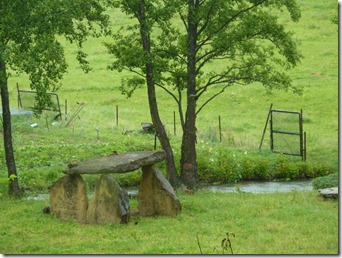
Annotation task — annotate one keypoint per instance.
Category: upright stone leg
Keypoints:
(110, 203)
(156, 196)
(68, 198)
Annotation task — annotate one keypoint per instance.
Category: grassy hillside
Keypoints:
(243, 110)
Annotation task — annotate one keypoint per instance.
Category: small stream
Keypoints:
(263, 187)
(245, 187)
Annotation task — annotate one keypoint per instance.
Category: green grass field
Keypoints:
(279, 223)
(292, 223)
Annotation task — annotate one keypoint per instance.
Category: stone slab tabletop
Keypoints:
(115, 163)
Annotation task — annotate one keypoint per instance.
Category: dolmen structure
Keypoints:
(110, 203)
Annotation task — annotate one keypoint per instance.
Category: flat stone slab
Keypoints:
(116, 163)
(329, 192)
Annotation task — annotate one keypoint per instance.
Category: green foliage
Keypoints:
(248, 45)
(178, 49)
(30, 38)
(4, 184)
(129, 179)
(225, 165)
(40, 166)
(331, 180)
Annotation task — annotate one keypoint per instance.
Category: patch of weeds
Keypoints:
(4, 184)
(226, 244)
(326, 181)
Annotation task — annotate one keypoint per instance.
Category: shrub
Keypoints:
(326, 181)
(318, 170)
(219, 164)
(128, 179)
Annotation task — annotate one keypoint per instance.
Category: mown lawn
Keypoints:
(278, 223)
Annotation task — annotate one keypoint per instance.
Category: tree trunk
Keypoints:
(160, 130)
(189, 166)
(14, 189)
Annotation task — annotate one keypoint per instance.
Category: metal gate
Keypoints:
(27, 100)
(286, 132)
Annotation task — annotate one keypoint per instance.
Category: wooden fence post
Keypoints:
(220, 131)
(117, 115)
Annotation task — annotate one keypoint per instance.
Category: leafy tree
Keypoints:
(242, 39)
(30, 33)
(142, 57)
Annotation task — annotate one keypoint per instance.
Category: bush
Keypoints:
(326, 181)
(128, 179)
(219, 164)
(318, 170)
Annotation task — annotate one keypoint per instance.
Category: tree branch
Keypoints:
(216, 79)
(171, 53)
(206, 21)
(211, 98)
(184, 21)
(204, 41)
(168, 91)
(229, 82)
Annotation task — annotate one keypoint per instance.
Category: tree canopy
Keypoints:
(201, 47)
(243, 39)
(30, 34)
(31, 31)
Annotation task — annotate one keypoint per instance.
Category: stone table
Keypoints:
(110, 204)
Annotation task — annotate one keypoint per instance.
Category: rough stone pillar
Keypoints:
(156, 195)
(68, 198)
(110, 203)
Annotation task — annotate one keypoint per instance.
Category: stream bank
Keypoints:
(244, 187)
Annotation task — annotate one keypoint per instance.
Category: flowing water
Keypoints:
(246, 187)
(263, 187)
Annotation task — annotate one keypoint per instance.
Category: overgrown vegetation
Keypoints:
(40, 166)
(326, 181)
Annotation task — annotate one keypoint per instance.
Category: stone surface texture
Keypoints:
(68, 198)
(329, 192)
(156, 196)
(116, 163)
(110, 203)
